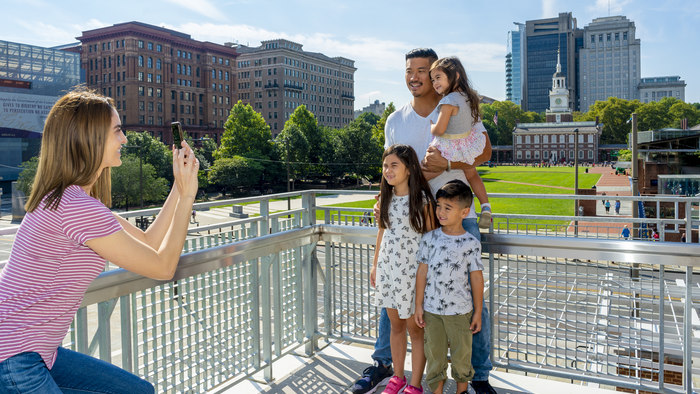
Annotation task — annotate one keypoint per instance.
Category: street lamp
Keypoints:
(286, 159)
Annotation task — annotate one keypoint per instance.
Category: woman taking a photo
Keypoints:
(64, 240)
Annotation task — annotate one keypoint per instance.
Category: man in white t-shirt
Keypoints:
(410, 125)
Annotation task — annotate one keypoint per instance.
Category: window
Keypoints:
(140, 76)
(527, 139)
(519, 154)
(159, 48)
(617, 36)
(608, 37)
(141, 106)
(600, 38)
(140, 61)
(141, 90)
(592, 38)
(580, 154)
(150, 46)
(149, 77)
(140, 44)
(150, 62)
(624, 36)
(571, 154)
(590, 154)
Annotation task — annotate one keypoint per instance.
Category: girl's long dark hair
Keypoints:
(459, 82)
(418, 191)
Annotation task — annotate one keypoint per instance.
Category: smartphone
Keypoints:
(178, 134)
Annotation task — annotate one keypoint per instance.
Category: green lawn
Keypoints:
(537, 181)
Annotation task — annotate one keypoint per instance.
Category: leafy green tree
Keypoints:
(509, 114)
(378, 129)
(151, 151)
(206, 149)
(308, 126)
(680, 110)
(230, 173)
(245, 134)
(293, 149)
(653, 116)
(25, 180)
(356, 146)
(126, 184)
(614, 114)
(624, 155)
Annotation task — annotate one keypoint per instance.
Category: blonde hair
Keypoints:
(72, 147)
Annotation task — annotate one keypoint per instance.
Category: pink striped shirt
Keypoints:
(48, 272)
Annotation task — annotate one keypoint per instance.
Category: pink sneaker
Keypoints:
(396, 385)
(413, 390)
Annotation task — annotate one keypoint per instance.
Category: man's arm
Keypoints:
(434, 162)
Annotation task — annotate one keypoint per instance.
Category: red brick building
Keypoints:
(157, 76)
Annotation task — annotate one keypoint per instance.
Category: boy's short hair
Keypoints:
(456, 190)
(428, 53)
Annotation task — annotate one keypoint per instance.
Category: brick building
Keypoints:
(278, 76)
(158, 76)
(554, 142)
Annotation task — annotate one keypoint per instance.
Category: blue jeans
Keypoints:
(481, 342)
(72, 372)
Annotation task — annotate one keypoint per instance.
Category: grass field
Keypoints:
(523, 180)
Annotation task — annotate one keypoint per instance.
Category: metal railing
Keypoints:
(587, 310)
(616, 313)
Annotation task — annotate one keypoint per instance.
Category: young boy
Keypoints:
(445, 302)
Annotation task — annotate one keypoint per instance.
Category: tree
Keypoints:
(229, 173)
(680, 111)
(25, 180)
(151, 151)
(293, 149)
(245, 134)
(509, 114)
(378, 129)
(653, 116)
(308, 126)
(356, 146)
(126, 183)
(614, 114)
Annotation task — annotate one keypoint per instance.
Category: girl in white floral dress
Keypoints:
(406, 213)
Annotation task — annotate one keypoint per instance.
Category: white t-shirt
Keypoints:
(405, 126)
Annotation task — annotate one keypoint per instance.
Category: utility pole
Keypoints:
(635, 175)
(289, 189)
(576, 180)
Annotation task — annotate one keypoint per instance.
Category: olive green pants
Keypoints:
(441, 332)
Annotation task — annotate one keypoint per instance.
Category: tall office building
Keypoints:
(158, 76)
(278, 76)
(543, 38)
(32, 78)
(514, 64)
(656, 88)
(609, 61)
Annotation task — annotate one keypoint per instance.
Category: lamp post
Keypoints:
(576, 179)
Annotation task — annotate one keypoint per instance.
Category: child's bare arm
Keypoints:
(373, 271)
(446, 111)
(420, 293)
(477, 279)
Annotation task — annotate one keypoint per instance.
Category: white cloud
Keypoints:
(203, 7)
(608, 7)
(373, 53)
(549, 9)
(478, 56)
(368, 97)
(50, 35)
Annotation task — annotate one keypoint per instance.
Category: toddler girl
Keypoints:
(457, 131)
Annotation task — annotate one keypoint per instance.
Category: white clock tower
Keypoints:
(559, 97)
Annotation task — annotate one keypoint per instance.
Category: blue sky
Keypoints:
(375, 34)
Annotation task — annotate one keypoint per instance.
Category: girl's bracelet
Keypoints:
(449, 165)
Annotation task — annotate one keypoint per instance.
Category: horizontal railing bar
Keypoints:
(657, 253)
(119, 282)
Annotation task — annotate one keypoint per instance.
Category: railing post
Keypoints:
(104, 331)
(265, 215)
(266, 308)
(687, 331)
(81, 331)
(125, 312)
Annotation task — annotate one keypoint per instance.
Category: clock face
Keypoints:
(558, 101)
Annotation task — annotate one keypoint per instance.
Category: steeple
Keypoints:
(558, 96)
(558, 62)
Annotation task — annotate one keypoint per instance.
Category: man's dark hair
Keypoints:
(423, 53)
(456, 190)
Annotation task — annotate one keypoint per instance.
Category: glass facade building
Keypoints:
(31, 80)
(542, 39)
(514, 65)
